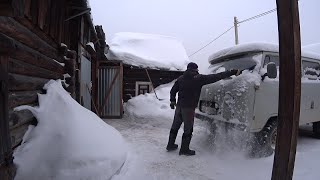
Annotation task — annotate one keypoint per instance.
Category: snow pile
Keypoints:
(148, 106)
(149, 51)
(69, 142)
(91, 45)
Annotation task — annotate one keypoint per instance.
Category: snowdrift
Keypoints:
(69, 142)
(148, 106)
(148, 51)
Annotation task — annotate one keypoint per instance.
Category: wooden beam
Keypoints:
(15, 30)
(36, 30)
(18, 8)
(5, 150)
(18, 67)
(6, 9)
(28, 55)
(18, 118)
(17, 134)
(27, 9)
(53, 19)
(22, 98)
(12, 8)
(43, 11)
(25, 83)
(289, 89)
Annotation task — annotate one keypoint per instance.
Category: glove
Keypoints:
(236, 72)
(172, 104)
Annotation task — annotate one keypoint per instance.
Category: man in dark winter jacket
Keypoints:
(188, 87)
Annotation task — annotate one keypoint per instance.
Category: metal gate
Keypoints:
(85, 82)
(110, 91)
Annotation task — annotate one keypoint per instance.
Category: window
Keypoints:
(239, 62)
(310, 70)
(271, 58)
(143, 87)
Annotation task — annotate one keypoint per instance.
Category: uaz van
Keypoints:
(250, 101)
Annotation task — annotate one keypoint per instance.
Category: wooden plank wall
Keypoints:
(134, 74)
(33, 41)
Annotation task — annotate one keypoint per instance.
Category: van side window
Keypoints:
(310, 70)
(271, 58)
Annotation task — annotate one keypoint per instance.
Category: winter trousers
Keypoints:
(186, 116)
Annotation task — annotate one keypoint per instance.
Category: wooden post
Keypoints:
(236, 35)
(289, 89)
(6, 168)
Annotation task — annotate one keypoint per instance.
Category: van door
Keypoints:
(266, 96)
(310, 88)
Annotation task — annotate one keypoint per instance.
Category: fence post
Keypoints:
(289, 89)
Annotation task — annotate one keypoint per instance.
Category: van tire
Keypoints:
(316, 129)
(264, 141)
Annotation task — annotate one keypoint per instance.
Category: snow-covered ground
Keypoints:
(146, 127)
(72, 143)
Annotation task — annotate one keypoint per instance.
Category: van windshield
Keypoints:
(240, 62)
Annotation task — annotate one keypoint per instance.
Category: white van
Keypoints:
(250, 101)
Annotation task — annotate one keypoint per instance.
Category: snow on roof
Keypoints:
(315, 48)
(254, 47)
(148, 51)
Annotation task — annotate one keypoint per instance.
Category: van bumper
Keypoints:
(212, 119)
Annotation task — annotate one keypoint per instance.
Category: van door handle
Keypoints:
(312, 105)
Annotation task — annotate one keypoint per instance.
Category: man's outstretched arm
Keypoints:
(212, 78)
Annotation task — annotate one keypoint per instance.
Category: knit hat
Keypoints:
(192, 66)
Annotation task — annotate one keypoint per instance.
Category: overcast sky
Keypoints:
(197, 22)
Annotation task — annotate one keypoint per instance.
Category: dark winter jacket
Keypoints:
(188, 86)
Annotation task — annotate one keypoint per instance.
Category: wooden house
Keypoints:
(41, 40)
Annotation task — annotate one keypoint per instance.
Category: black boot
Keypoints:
(172, 138)
(184, 150)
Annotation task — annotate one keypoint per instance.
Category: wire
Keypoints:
(258, 16)
(211, 41)
(249, 19)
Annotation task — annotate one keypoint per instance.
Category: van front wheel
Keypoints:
(316, 128)
(265, 141)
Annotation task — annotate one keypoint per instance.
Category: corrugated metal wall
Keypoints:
(85, 83)
(113, 105)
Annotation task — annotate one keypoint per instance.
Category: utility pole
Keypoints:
(236, 30)
(289, 89)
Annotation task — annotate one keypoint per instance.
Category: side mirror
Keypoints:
(272, 71)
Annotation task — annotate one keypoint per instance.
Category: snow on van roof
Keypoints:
(148, 51)
(254, 47)
(315, 48)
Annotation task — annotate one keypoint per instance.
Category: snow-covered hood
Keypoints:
(230, 100)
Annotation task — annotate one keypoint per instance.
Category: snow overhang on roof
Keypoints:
(148, 51)
(315, 48)
(251, 48)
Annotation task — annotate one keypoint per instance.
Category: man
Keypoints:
(188, 87)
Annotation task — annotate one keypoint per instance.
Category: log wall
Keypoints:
(31, 33)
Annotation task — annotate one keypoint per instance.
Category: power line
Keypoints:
(258, 16)
(211, 41)
(246, 20)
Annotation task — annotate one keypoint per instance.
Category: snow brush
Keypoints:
(154, 90)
